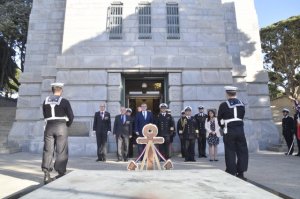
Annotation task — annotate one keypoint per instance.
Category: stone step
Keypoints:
(6, 123)
(9, 150)
(281, 148)
(4, 129)
(7, 113)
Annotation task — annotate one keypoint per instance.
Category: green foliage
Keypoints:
(14, 19)
(281, 49)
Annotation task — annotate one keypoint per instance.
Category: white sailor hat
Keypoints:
(182, 112)
(129, 110)
(188, 108)
(57, 84)
(163, 105)
(285, 110)
(200, 107)
(231, 88)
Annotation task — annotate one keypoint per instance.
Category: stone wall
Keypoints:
(68, 41)
(43, 46)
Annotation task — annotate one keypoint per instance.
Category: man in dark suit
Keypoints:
(166, 127)
(102, 126)
(132, 139)
(141, 119)
(122, 131)
(200, 118)
(288, 130)
(180, 125)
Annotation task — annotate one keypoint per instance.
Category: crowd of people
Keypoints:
(205, 128)
(290, 130)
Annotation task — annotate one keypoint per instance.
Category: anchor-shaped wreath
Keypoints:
(150, 152)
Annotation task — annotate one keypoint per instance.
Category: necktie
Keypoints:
(102, 115)
(144, 113)
(123, 119)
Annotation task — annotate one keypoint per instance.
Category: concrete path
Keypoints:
(269, 169)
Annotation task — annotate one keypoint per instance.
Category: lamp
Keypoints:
(144, 85)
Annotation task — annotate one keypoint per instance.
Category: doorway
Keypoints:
(145, 88)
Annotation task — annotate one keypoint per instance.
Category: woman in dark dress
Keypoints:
(212, 134)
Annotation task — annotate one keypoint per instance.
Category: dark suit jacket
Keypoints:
(121, 128)
(102, 126)
(140, 121)
(164, 125)
(190, 128)
(288, 125)
(201, 122)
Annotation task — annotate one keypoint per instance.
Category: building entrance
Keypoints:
(145, 88)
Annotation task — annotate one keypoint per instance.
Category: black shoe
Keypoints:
(98, 160)
(193, 160)
(211, 160)
(204, 156)
(216, 160)
(298, 154)
(60, 174)
(104, 160)
(241, 176)
(47, 177)
(125, 160)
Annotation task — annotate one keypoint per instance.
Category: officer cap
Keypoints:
(57, 84)
(129, 110)
(200, 107)
(285, 110)
(163, 105)
(230, 88)
(187, 108)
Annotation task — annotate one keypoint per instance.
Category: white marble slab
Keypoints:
(173, 184)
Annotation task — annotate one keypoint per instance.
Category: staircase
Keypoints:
(282, 147)
(7, 117)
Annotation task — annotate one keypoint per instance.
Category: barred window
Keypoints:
(173, 31)
(115, 21)
(144, 15)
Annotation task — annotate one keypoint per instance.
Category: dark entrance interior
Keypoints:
(145, 88)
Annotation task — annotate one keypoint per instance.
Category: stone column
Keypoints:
(113, 105)
(176, 105)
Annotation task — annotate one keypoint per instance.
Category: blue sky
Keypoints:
(271, 11)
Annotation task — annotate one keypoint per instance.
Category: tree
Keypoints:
(14, 19)
(281, 49)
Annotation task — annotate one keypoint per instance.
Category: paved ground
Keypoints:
(269, 169)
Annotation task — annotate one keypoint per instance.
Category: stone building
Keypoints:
(182, 52)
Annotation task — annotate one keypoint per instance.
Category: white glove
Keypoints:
(108, 132)
(137, 133)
